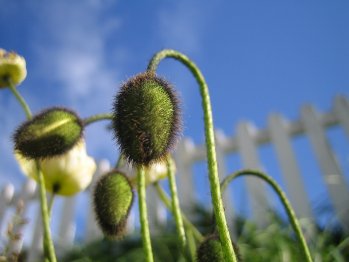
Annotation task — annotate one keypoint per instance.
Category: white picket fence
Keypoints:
(279, 133)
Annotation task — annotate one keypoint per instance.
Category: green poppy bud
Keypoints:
(210, 250)
(50, 133)
(113, 198)
(146, 118)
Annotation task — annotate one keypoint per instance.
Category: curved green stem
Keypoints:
(48, 244)
(287, 205)
(98, 117)
(166, 200)
(175, 204)
(20, 100)
(210, 146)
(143, 215)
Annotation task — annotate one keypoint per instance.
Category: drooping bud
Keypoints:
(66, 174)
(210, 250)
(113, 198)
(12, 68)
(50, 133)
(146, 118)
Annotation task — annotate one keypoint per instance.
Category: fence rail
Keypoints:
(279, 133)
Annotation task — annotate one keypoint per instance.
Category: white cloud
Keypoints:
(76, 54)
(69, 39)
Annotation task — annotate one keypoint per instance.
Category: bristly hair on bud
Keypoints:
(146, 118)
(113, 199)
(210, 250)
(50, 133)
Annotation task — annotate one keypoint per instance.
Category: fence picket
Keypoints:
(35, 249)
(290, 171)
(222, 171)
(246, 134)
(341, 108)
(67, 227)
(157, 213)
(92, 230)
(183, 161)
(21, 202)
(246, 143)
(332, 173)
(6, 196)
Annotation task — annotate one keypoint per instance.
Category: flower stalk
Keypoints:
(176, 211)
(48, 243)
(282, 196)
(144, 215)
(95, 118)
(20, 99)
(210, 145)
(189, 226)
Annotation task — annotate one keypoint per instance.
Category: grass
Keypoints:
(276, 242)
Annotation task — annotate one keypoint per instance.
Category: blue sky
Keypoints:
(257, 56)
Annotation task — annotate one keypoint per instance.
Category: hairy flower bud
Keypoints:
(113, 198)
(146, 118)
(210, 250)
(50, 133)
(12, 68)
(65, 174)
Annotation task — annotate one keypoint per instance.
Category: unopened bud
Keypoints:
(113, 198)
(50, 133)
(146, 118)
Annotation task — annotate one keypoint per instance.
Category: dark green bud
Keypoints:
(113, 198)
(210, 250)
(146, 118)
(50, 133)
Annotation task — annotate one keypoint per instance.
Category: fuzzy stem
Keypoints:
(165, 199)
(143, 215)
(20, 100)
(175, 204)
(48, 244)
(210, 146)
(287, 205)
(98, 117)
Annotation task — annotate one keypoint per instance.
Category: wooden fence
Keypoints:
(279, 133)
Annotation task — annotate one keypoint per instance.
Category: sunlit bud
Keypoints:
(12, 68)
(50, 133)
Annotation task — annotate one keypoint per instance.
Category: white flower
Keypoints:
(12, 67)
(66, 174)
(154, 173)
